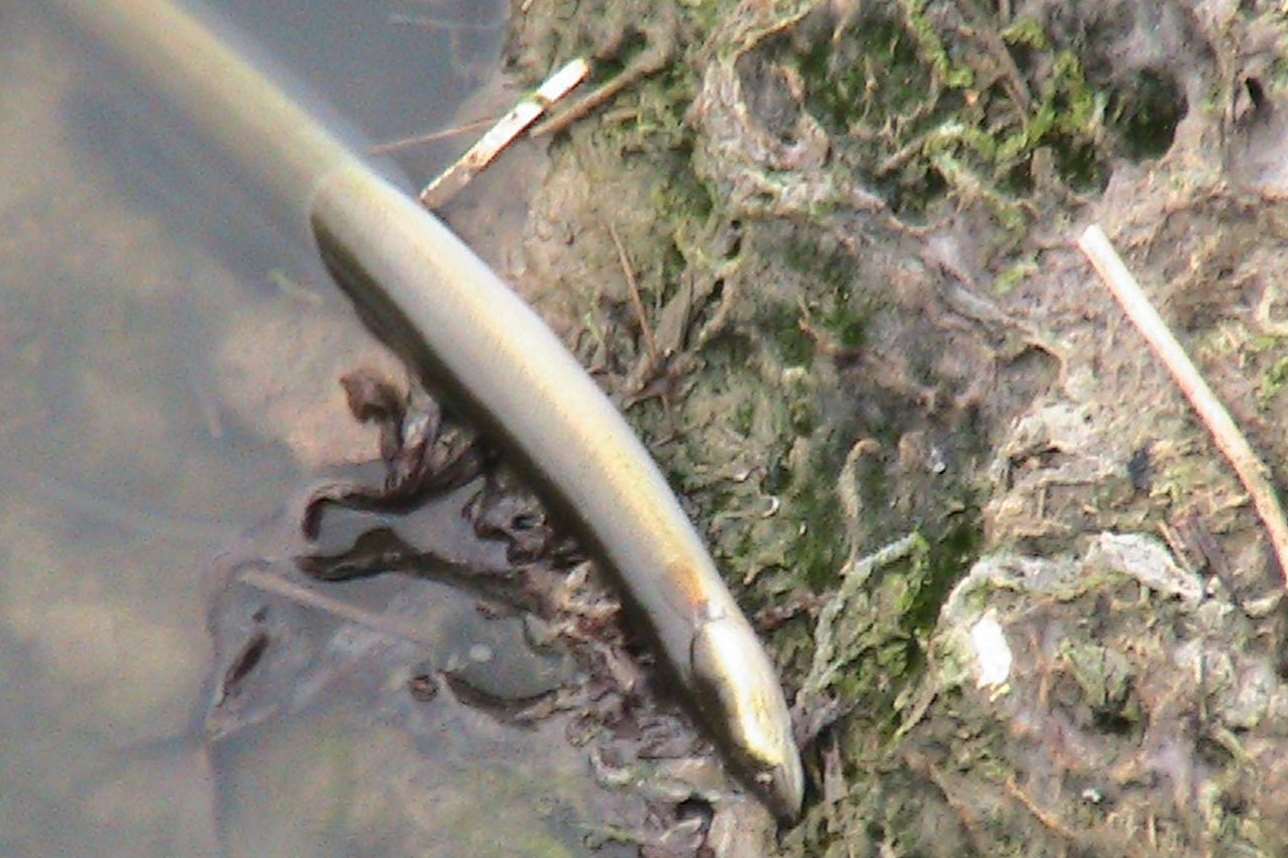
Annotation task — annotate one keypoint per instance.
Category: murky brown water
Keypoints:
(168, 353)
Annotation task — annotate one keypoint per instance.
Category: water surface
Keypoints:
(168, 353)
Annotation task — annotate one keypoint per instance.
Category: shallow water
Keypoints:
(168, 353)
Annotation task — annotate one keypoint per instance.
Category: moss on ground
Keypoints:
(848, 223)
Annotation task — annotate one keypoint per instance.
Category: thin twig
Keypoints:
(430, 137)
(968, 816)
(1010, 71)
(1051, 821)
(1254, 473)
(428, 22)
(653, 60)
(645, 330)
(301, 595)
(602, 95)
(450, 182)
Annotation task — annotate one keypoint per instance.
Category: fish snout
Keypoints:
(740, 695)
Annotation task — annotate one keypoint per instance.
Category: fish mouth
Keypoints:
(782, 788)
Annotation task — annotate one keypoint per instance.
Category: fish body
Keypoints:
(446, 313)
(425, 293)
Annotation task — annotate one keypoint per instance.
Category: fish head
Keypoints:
(738, 692)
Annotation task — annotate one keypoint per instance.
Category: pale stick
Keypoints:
(450, 182)
(1254, 473)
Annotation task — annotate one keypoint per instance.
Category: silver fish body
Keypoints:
(431, 298)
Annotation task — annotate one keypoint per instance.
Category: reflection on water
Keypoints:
(168, 353)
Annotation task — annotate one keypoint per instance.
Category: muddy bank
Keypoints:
(850, 227)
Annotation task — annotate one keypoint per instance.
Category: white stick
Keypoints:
(502, 134)
(1254, 473)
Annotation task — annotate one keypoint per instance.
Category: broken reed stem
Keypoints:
(1252, 472)
(450, 182)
